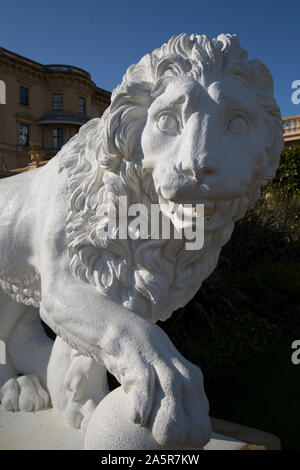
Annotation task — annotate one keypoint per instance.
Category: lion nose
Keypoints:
(197, 155)
(197, 169)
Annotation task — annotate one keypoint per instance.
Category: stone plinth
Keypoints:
(45, 430)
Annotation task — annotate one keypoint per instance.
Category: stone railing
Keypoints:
(59, 68)
(291, 128)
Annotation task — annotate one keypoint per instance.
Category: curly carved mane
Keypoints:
(104, 161)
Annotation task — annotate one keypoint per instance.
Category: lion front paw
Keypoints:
(169, 398)
(165, 391)
(180, 407)
(24, 393)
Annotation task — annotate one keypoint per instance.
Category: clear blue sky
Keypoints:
(105, 37)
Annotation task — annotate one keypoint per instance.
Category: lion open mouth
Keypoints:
(214, 215)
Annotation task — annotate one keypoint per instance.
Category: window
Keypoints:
(57, 102)
(2, 92)
(23, 134)
(81, 105)
(57, 138)
(23, 95)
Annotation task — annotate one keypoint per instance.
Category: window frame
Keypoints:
(80, 104)
(59, 138)
(54, 103)
(24, 124)
(22, 95)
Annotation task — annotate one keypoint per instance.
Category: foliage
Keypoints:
(218, 330)
(286, 183)
(34, 146)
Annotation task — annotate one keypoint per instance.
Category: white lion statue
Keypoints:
(193, 122)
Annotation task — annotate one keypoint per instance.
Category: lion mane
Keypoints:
(104, 162)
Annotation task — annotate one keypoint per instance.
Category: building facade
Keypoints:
(45, 106)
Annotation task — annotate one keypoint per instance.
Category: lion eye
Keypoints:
(238, 125)
(167, 123)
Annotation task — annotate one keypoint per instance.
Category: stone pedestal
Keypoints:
(46, 430)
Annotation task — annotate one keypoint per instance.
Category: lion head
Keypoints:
(193, 122)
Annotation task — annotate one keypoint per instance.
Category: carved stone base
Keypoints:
(45, 430)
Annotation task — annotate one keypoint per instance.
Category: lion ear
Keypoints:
(262, 78)
(263, 84)
(269, 132)
(274, 145)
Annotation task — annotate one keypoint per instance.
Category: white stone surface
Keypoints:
(193, 122)
(38, 430)
(46, 430)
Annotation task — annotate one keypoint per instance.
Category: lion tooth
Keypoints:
(179, 211)
(172, 206)
(177, 221)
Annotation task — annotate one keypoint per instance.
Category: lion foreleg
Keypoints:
(163, 389)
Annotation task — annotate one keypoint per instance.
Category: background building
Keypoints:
(291, 130)
(45, 105)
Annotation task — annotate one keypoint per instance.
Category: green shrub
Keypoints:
(286, 183)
